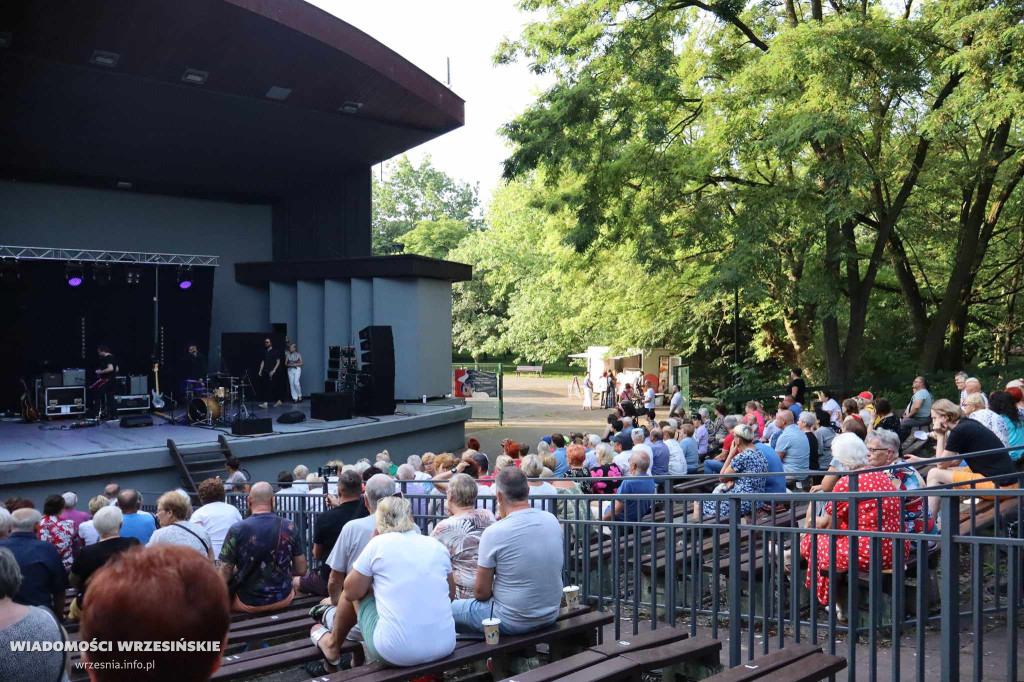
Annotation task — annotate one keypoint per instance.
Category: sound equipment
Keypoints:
(291, 418)
(375, 385)
(204, 409)
(73, 377)
(124, 404)
(65, 400)
(55, 379)
(138, 384)
(252, 427)
(134, 421)
(158, 398)
(331, 406)
(29, 413)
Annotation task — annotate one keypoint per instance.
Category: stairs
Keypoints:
(194, 467)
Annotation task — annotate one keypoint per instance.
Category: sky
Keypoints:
(467, 32)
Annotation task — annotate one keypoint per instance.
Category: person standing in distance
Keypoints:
(269, 366)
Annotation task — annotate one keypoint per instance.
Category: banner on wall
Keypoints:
(470, 382)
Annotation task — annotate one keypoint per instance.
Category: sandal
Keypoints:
(318, 612)
(315, 634)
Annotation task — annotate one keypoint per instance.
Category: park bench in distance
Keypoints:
(530, 369)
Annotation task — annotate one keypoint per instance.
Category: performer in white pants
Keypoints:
(293, 361)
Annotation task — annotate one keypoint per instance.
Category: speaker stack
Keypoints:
(375, 384)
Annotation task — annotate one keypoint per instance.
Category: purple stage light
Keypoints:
(185, 284)
(74, 281)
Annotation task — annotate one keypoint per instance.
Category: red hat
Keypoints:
(1015, 393)
(866, 395)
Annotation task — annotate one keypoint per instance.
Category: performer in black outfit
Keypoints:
(192, 366)
(270, 373)
(103, 387)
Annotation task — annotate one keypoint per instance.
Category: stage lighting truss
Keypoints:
(80, 256)
(101, 273)
(9, 271)
(185, 278)
(74, 274)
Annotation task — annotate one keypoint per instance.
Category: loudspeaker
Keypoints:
(291, 418)
(138, 384)
(375, 396)
(56, 380)
(331, 406)
(378, 351)
(252, 427)
(134, 421)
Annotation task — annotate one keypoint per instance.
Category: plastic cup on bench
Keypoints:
(492, 626)
(572, 596)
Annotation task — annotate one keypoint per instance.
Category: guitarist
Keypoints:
(104, 383)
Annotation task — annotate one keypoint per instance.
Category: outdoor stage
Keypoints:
(37, 459)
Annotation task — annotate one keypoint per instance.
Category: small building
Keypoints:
(654, 363)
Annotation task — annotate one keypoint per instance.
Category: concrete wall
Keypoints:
(58, 216)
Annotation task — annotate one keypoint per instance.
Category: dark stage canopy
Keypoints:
(102, 91)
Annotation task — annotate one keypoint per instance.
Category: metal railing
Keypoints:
(679, 567)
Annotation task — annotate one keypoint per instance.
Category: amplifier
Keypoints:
(139, 384)
(53, 380)
(65, 400)
(126, 404)
(74, 377)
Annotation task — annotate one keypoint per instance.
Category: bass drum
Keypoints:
(203, 409)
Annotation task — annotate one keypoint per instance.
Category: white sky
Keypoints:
(467, 31)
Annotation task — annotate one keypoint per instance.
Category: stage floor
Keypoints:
(51, 439)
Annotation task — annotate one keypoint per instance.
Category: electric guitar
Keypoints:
(157, 399)
(29, 413)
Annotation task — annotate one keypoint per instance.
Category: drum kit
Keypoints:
(217, 399)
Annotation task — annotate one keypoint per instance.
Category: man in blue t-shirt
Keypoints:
(638, 483)
(135, 524)
(919, 411)
(792, 446)
(772, 484)
(659, 463)
(558, 441)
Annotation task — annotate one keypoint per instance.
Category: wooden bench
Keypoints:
(584, 627)
(530, 369)
(795, 663)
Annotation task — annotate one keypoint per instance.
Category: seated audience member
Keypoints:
(1005, 405)
(690, 449)
(519, 565)
(260, 555)
(43, 577)
(237, 482)
(60, 534)
(533, 468)
(856, 426)
(975, 408)
(676, 455)
(590, 459)
(406, 618)
(136, 524)
(558, 450)
(807, 423)
(751, 409)
(5, 523)
(659, 460)
(883, 450)
(714, 465)
(19, 623)
(605, 468)
(347, 507)
(482, 465)
(354, 537)
(215, 516)
(163, 593)
(172, 511)
(93, 557)
(299, 474)
(824, 433)
(502, 462)
(955, 435)
(638, 482)
(743, 458)
(388, 467)
(460, 532)
(111, 491)
(884, 416)
(772, 431)
(87, 531)
(413, 489)
(852, 454)
(76, 516)
(792, 446)
(576, 456)
(790, 403)
(773, 483)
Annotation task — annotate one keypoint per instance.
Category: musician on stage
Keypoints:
(104, 384)
(269, 374)
(192, 367)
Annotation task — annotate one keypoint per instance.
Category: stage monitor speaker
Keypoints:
(56, 380)
(378, 351)
(134, 421)
(331, 406)
(291, 418)
(73, 377)
(375, 396)
(252, 427)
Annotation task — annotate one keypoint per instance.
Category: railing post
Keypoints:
(949, 592)
(734, 583)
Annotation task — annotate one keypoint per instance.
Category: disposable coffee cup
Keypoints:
(572, 596)
(491, 630)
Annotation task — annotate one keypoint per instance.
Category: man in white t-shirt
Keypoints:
(649, 400)
(519, 565)
(354, 537)
(215, 516)
(675, 405)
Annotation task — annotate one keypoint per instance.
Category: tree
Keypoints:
(410, 194)
(435, 238)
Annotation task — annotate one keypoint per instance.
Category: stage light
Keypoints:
(9, 271)
(195, 76)
(184, 278)
(101, 273)
(74, 275)
(133, 275)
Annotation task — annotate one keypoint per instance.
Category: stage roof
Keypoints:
(105, 91)
(401, 265)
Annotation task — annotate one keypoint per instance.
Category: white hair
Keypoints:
(5, 522)
(638, 435)
(605, 454)
(640, 460)
(25, 520)
(107, 521)
(415, 461)
(729, 421)
(463, 490)
(808, 419)
(361, 466)
(594, 440)
(300, 472)
(532, 466)
(1015, 383)
(70, 500)
(394, 515)
(543, 447)
(377, 488)
(850, 451)
(406, 472)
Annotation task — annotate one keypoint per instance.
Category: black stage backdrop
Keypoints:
(50, 325)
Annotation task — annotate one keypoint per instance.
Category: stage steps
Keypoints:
(197, 466)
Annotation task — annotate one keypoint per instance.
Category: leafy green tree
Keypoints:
(435, 238)
(410, 194)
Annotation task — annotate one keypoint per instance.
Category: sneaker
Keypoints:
(263, 405)
(278, 404)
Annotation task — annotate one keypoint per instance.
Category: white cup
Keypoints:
(492, 626)
(572, 596)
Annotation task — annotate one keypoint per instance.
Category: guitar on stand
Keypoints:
(29, 413)
(157, 399)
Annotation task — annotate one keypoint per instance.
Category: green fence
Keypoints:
(481, 386)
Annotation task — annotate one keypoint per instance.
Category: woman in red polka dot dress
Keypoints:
(850, 452)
